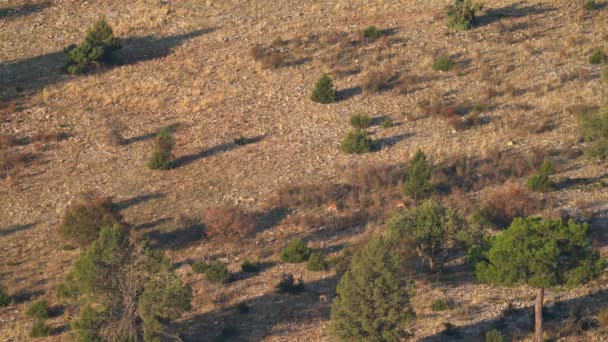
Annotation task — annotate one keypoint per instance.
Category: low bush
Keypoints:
(83, 219)
(5, 299)
(541, 181)
(443, 63)
(251, 266)
(97, 48)
(377, 80)
(357, 142)
(598, 56)
(288, 284)
(316, 262)
(296, 251)
(371, 32)
(590, 5)
(503, 204)
(324, 91)
(162, 157)
(39, 310)
(440, 304)
(229, 224)
(360, 121)
(199, 267)
(40, 329)
(217, 272)
(273, 61)
(461, 14)
(494, 336)
(594, 124)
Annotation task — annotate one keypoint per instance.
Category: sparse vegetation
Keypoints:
(371, 32)
(590, 5)
(97, 48)
(358, 142)
(440, 304)
(5, 299)
(324, 91)
(503, 204)
(296, 251)
(494, 336)
(598, 56)
(376, 81)
(357, 297)
(461, 14)
(199, 267)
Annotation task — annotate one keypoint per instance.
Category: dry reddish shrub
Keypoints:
(377, 80)
(258, 52)
(310, 196)
(503, 204)
(229, 224)
(273, 61)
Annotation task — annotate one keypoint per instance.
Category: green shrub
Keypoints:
(5, 299)
(594, 124)
(432, 228)
(461, 14)
(371, 32)
(357, 141)
(541, 180)
(324, 91)
(417, 178)
(251, 266)
(84, 219)
(605, 74)
(371, 304)
(443, 63)
(590, 5)
(217, 272)
(598, 56)
(440, 304)
(494, 336)
(360, 121)
(316, 262)
(97, 48)
(157, 295)
(199, 267)
(288, 284)
(388, 123)
(39, 309)
(40, 329)
(162, 158)
(297, 251)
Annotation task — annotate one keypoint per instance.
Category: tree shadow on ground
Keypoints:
(267, 314)
(270, 218)
(515, 10)
(178, 238)
(345, 94)
(25, 77)
(520, 321)
(17, 228)
(23, 10)
(575, 182)
(392, 140)
(221, 148)
(147, 136)
(133, 201)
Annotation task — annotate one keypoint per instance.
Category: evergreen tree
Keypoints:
(372, 302)
(433, 229)
(162, 157)
(417, 180)
(541, 254)
(324, 91)
(126, 292)
(98, 46)
(541, 181)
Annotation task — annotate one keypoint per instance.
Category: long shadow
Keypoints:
(573, 182)
(345, 94)
(515, 10)
(266, 312)
(514, 320)
(25, 77)
(270, 218)
(178, 238)
(221, 148)
(17, 228)
(137, 200)
(23, 10)
(147, 136)
(390, 141)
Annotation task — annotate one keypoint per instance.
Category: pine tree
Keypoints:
(417, 180)
(541, 254)
(324, 91)
(541, 181)
(98, 46)
(372, 302)
(162, 157)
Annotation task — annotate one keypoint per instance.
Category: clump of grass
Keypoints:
(387, 123)
(598, 56)
(541, 181)
(39, 310)
(443, 63)
(371, 32)
(217, 272)
(440, 304)
(5, 299)
(40, 329)
(360, 121)
(358, 142)
(199, 267)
